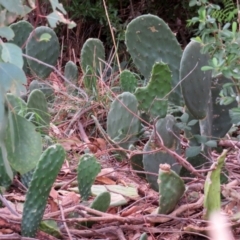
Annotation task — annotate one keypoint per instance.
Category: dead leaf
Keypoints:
(130, 211)
(53, 194)
(101, 143)
(70, 199)
(105, 180)
(72, 143)
(55, 129)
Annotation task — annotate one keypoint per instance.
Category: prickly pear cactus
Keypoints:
(27, 178)
(196, 85)
(92, 57)
(170, 135)
(88, 169)
(5, 180)
(128, 81)
(71, 73)
(22, 30)
(171, 189)
(122, 124)
(144, 236)
(212, 186)
(101, 202)
(37, 103)
(45, 88)
(153, 98)
(44, 49)
(150, 40)
(16, 104)
(43, 178)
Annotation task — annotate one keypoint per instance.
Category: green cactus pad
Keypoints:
(23, 144)
(37, 103)
(71, 72)
(44, 50)
(170, 135)
(150, 40)
(45, 88)
(171, 189)
(221, 122)
(212, 187)
(92, 55)
(153, 98)
(144, 236)
(88, 169)
(122, 125)
(196, 84)
(101, 202)
(22, 30)
(5, 180)
(16, 104)
(43, 178)
(27, 178)
(128, 81)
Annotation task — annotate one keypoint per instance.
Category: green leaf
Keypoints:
(184, 118)
(193, 151)
(206, 68)
(6, 32)
(192, 122)
(25, 146)
(235, 115)
(234, 27)
(11, 53)
(56, 5)
(211, 143)
(55, 17)
(201, 139)
(50, 227)
(15, 6)
(12, 78)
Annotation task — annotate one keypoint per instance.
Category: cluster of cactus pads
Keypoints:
(173, 76)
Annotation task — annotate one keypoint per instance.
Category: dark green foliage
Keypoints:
(227, 13)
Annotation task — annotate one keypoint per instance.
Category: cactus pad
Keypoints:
(22, 30)
(153, 98)
(45, 88)
(122, 124)
(46, 51)
(88, 169)
(43, 178)
(101, 202)
(71, 72)
(37, 103)
(170, 135)
(171, 189)
(150, 40)
(128, 81)
(196, 85)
